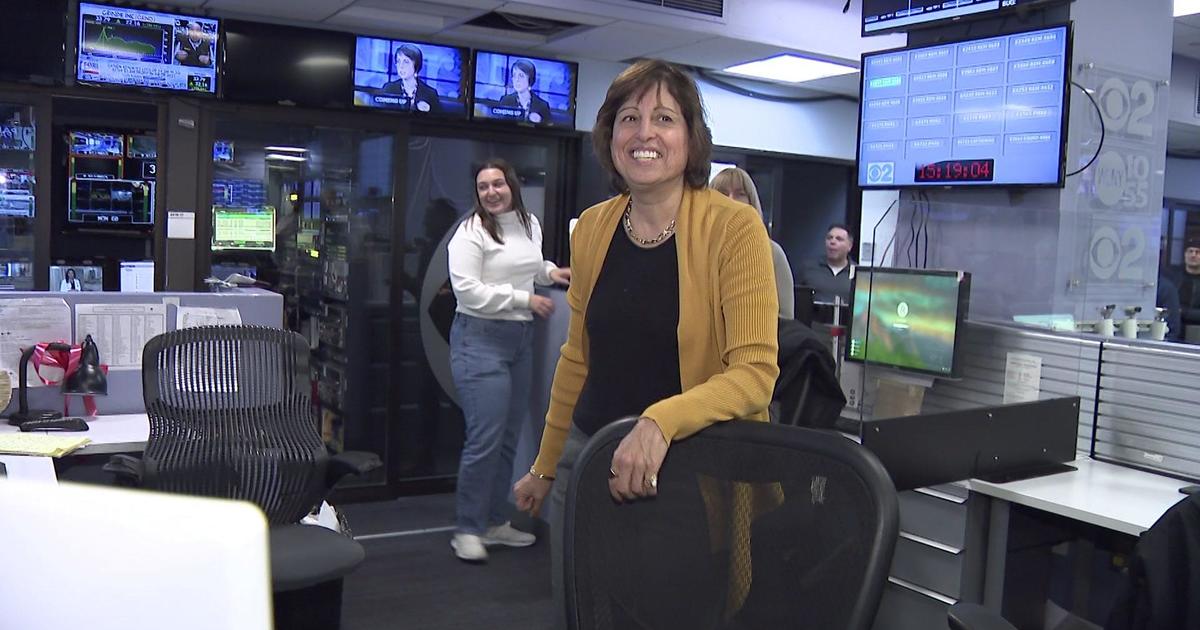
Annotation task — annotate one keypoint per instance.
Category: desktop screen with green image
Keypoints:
(244, 228)
(914, 318)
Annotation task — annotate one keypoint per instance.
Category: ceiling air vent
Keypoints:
(715, 8)
(522, 23)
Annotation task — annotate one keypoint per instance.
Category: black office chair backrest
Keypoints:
(231, 416)
(755, 526)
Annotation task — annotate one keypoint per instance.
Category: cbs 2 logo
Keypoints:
(1127, 109)
(881, 172)
(1121, 254)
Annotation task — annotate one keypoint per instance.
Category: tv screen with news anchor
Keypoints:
(410, 77)
(524, 89)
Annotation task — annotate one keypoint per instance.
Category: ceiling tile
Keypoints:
(562, 15)
(620, 41)
(387, 22)
(427, 7)
(506, 40)
(289, 10)
(718, 52)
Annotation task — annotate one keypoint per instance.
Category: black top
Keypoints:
(632, 323)
(537, 105)
(423, 93)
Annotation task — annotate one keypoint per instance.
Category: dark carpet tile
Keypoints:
(403, 514)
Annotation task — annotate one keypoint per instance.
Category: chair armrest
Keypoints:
(350, 463)
(964, 616)
(127, 468)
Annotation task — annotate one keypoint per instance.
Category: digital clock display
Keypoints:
(951, 171)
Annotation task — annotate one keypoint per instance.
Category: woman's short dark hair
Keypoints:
(413, 53)
(526, 67)
(514, 184)
(71, 272)
(635, 81)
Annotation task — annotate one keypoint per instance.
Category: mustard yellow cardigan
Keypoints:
(728, 309)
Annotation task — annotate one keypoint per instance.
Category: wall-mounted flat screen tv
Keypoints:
(410, 77)
(887, 16)
(287, 65)
(525, 89)
(147, 49)
(981, 112)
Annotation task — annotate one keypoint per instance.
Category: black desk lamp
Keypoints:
(87, 379)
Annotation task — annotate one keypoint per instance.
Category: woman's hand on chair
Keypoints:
(530, 492)
(635, 464)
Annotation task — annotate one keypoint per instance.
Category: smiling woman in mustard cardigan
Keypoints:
(673, 301)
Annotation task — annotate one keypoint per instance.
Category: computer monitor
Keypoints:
(137, 277)
(148, 49)
(76, 278)
(886, 16)
(908, 318)
(96, 557)
(16, 192)
(244, 228)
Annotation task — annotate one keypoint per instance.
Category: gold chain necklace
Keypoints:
(645, 242)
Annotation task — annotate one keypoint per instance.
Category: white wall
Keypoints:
(875, 206)
(824, 129)
(1182, 180)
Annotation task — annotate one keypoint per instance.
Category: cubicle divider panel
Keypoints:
(253, 307)
(1070, 364)
(1148, 401)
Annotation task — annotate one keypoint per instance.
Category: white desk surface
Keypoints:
(1111, 496)
(108, 434)
(25, 468)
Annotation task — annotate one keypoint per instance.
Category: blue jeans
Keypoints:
(492, 364)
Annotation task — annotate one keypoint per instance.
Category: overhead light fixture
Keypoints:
(1186, 7)
(790, 68)
(286, 149)
(286, 158)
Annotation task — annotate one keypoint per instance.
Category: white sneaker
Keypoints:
(508, 536)
(469, 547)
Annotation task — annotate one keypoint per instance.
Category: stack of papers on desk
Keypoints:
(38, 444)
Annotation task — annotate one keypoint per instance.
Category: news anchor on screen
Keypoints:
(193, 46)
(70, 282)
(534, 108)
(416, 94)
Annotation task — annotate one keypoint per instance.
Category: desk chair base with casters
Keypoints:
(755, 526)
(230, 416)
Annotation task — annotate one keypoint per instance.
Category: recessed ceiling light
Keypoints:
(286, 149)
(286, 158)
(1186, 7)
(790, 68)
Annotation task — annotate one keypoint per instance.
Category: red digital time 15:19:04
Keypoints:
(956, 171)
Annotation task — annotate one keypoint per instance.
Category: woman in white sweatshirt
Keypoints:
(495, 259)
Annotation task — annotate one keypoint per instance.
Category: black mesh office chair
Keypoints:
(231, 417)
(755, 526)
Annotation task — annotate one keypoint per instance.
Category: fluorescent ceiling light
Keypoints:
(286, 158)
(1186, 7)
(286, 149)
(791, 68)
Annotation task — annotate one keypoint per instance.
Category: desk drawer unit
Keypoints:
(930, 566)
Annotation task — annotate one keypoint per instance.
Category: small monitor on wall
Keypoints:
(981, 112)
(525, 89)
(410, 77)
(16, 193)
(76, 278)
(147, 49)
(908, 318)
(244, 228)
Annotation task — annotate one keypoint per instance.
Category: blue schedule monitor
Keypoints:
(147, 49)
(410, 77)
(525, 89)
(981, 112)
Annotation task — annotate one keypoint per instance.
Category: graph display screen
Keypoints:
(988, 111)
(111, 201)
(244, 228)
(139, 48)
(881, 16)
(914, 320)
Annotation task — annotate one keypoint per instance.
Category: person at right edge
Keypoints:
(673, 320)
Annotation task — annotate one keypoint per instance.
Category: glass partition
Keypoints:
(17, 196)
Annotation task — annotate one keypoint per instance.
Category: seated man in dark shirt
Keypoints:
(195, 49)
(829, 275)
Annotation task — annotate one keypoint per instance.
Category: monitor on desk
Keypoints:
(91, 555)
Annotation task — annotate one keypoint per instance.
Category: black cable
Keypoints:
(1100, 116)
(925, 228)
(910, 251)
(710, 79)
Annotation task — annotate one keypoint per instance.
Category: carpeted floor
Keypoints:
(414, 580)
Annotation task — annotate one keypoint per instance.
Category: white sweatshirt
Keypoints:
(495, 281)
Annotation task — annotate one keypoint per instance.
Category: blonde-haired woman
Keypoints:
(737, 185)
